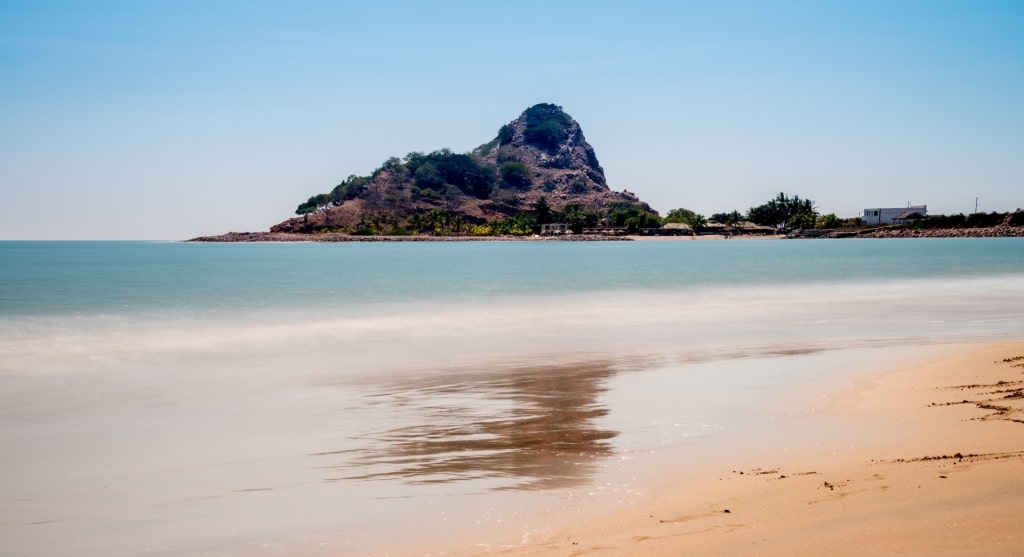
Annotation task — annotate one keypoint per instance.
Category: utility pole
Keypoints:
(976, 205)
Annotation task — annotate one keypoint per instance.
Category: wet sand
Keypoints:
(936, 467)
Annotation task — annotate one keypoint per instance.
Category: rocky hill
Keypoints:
(539, 163)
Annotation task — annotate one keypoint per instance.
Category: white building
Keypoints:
(553, 229)
(891, 215)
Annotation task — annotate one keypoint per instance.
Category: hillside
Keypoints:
(538, 166)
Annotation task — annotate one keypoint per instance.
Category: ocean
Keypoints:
(334, 399)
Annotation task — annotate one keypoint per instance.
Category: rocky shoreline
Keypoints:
(337, 237)
(1000, 231)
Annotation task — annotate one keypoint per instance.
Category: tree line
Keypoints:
(782, 211)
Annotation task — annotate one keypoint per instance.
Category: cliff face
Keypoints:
(542, 153)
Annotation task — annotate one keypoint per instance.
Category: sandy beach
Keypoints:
(701, 237)
(932, 464)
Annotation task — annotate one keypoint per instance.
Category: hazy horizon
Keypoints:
(171, 120)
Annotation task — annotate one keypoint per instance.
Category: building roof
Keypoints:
(907, 215)
(751, 227)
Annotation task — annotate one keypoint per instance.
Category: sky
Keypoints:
(167, 120)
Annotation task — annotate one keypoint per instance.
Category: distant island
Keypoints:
(538, 178)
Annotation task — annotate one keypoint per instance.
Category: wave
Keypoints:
(430, 333)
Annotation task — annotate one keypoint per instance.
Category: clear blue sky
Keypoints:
(171, 119)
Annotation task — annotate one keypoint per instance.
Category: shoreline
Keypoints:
(929, 460)
(242, 237)
(885, 233)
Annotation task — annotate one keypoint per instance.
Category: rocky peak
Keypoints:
(542, 154)
(545, 137)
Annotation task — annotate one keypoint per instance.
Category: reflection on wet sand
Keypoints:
(521, 428)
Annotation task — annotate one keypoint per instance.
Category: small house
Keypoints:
(881, 216)
(553, 229)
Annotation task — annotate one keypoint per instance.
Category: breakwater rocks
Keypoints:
(335, 237)
(1001, 231)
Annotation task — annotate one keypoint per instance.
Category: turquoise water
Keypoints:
(358, 399)
(61, 278)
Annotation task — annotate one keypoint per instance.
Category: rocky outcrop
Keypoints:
(541, 154)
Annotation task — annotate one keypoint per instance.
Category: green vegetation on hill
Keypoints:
(440, 168)
(546, 125)
(505, 135)
(348, 189)
(501, 187)
(431, 174)
(515, 174)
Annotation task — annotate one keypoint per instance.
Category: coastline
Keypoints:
(413, 399)
(937, 467)
(241, 237)
(881, 233)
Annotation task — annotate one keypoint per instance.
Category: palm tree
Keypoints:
(698, 222)
(543, 211)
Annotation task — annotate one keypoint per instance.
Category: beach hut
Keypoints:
(675, 229)
(908, 217)
(752, 229)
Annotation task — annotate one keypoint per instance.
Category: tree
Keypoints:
(543, 210)
(505, 135)
(416, 222)
(734, 217)
(684, 216)
(515, 174)
(699, 222)
(576, 217)
(429, 177)
(632, 217)
(546, 126)
(828, 221)
(468, 174)
(784, 211)
(520, 225)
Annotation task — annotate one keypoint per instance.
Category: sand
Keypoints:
(937, 468)
(703, 237)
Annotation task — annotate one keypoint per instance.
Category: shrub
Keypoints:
(462, 171)
(681, 215)
(546, 125)
(828, 221)
(429, 177)
(515, 175)
(505, 134)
